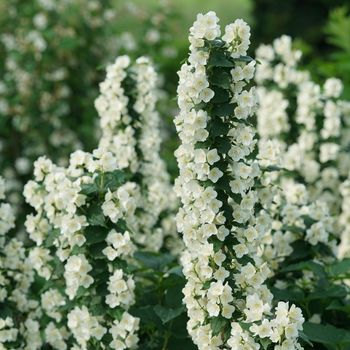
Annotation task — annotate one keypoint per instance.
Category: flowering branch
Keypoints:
(222, 218)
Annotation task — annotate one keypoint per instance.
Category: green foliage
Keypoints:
(159, 302)
(337, 28)
(335, 338)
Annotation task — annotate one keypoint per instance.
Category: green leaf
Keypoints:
(244, 59)
(202, 144)
(120, 264)
(224, 109)
(243, 121)
(310, 265)
(294, 229)
(97, 307)
(101, 277)
(98, 267)
(199, 106)
(245, 326)
(293, 293)
(220, 59)
(80, 292)
(218, 127)
(224, 184)
(217, 324)
(176, 270)
(326, 334)
(178, 328)
(338, 305)
(121, 225)
(96, 250)
(113, 180)
(77, 250)
(155, 261)
(265, 342)
(147, 315)
(244, 260)
(5, 311)
(68, 43)
(58, 265)
(304, 337)
(220, 77)
(95, 234)
(332, 291)
(339, 268)
(301, 249)
(167, 314)
(102, 290)
(220, 95)
(89, 189)
(174, 296)
(217, 243)
(272, 168)
(222, 144)
(95, 215)
(116, 313)
(51, 237)
(206, 284)
(217, 43)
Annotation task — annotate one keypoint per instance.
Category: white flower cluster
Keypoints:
(215, 186)
(313, 135)
(76, 274)
(56, 337)
(59, 205)
(119, 244)
(51, 300)
(84, 326)
(123, 332)
(130, 130)
(283, 72)
(7, 218)
(16, 279)
(121, 290)
(288, 226)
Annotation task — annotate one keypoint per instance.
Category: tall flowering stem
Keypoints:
(310, 123)
(222, 217)
(19, 316)
(130, 129)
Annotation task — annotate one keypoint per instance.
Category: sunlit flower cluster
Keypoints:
(20, 313)
(39, 53)
(221, 225)
(63, 211)
(291, 207)
(84, 326)
(309, 122)
(130, 130)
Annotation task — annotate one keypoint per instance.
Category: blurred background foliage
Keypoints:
(53, 54)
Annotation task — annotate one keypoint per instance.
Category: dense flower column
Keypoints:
(309, 121)
(221, 218)
(83, 248)
(130, 129)
(19, 315)
(297, 221)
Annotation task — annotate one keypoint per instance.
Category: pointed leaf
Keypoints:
(223, 109)
(167, 314)
(218, 127)
(220, 95)
(95, 234)
(220, 78)
(326, 334)
(219, 59)
(339, 268)
(217, 324)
